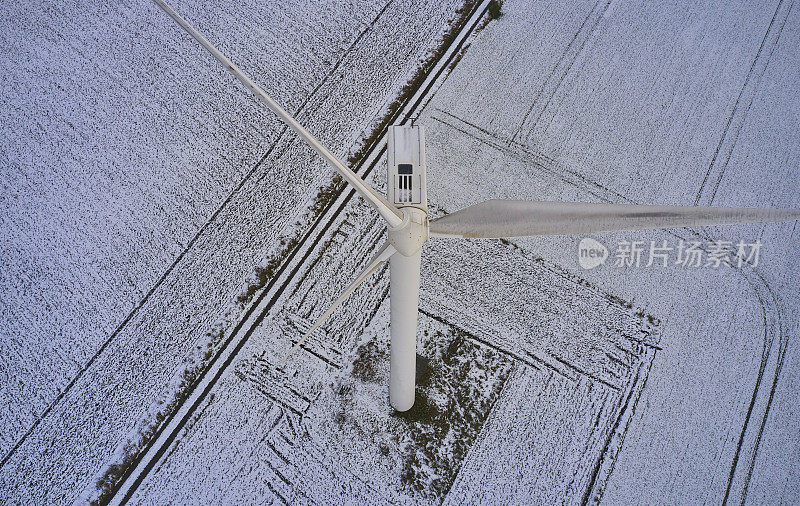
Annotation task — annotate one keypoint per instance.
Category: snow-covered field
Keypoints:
(654, 103)
(141, 186)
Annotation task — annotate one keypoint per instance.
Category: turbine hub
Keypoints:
(411, 234)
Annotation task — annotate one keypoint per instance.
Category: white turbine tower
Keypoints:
(406, 215)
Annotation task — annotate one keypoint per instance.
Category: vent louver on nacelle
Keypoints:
(405, 188)
(406, 166)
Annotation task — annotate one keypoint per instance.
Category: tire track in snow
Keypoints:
(738, 115)
(538, 160)
(748, 444)
(563, 66)
(594, 490)
(744, 458)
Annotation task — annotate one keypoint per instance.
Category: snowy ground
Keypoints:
(651, 103)
(141, 187)
(543, 382)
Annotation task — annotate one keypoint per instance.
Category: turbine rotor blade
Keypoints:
(386, 251)
(387, 211)
(516, 218)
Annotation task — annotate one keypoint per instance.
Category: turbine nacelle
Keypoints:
(407, 186)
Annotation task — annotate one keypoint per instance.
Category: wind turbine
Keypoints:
(406, 214)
